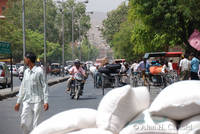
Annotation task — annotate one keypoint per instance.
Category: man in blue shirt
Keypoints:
(194, 67)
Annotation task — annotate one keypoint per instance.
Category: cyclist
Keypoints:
(74, 70)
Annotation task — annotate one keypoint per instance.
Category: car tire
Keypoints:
(9, 85)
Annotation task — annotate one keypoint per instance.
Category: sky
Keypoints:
(103, 5)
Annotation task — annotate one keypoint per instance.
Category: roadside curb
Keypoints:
(7, 93)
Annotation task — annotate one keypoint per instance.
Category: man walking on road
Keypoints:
(184, 68)
(33, 94)
(194, 67)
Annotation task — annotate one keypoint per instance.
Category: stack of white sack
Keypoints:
(91, 131)
(68, 121)
(115, 110)
(120, 105)
(181, 102)
(144, 123)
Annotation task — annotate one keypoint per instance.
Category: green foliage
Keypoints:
(11, 27)
(169, 22)
(111, 25)
(122, 45)
(88, 51)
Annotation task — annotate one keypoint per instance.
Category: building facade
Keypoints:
(2, 6)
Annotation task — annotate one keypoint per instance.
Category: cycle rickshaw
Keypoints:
(155, 77)
(109, 76)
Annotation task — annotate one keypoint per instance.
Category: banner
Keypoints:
(194, 40)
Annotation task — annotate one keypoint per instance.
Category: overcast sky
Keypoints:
(103, 5)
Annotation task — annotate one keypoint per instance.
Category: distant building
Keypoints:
(2, 6)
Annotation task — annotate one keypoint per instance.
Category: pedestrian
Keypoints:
(143, 67)
(194, 67)
(170, 65)
(184, 67)
(33, 93)
(134, 66)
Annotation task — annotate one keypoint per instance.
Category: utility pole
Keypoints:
(63, 48)
(45, 50)
(80, 46)
(72, 32)
(23, 27)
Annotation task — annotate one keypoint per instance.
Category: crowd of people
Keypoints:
(187, 68)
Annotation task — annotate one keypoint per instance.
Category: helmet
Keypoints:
(77, 62)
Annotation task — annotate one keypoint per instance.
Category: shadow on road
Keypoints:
(87, 98)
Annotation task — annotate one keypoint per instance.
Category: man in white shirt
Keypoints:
(184, 68)
(134, 66)
(33, 94)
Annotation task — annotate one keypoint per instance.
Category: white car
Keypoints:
(14, 70)
(5, 76)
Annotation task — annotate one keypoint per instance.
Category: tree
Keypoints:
(11, 27)
(111, 25)
(122, 45)
(168, 22)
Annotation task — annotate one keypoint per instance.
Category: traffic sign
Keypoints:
(5, 48)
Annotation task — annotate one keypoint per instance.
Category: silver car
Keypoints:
(5, 76)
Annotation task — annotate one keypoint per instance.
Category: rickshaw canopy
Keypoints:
(163, 54)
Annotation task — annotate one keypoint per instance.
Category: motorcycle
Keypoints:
(77, 86)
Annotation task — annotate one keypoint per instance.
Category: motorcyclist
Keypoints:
(74, 70)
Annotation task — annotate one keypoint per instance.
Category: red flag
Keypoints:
(194, 40)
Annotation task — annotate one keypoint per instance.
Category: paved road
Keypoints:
(17, 82)
(58, 101)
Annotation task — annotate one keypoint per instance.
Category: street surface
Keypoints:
(17, 82)
(58, 101)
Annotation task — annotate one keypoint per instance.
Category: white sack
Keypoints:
(144, 123)
(67, 121)
(178, 101)
(91, 131)
(120, 105)
(190, 126)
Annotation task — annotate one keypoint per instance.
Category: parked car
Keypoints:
(14, 69)
(5, 76)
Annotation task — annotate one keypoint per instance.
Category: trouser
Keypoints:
(69, 82)
(184, 75)
(194, 76)
(98, 78)
(30, 115)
